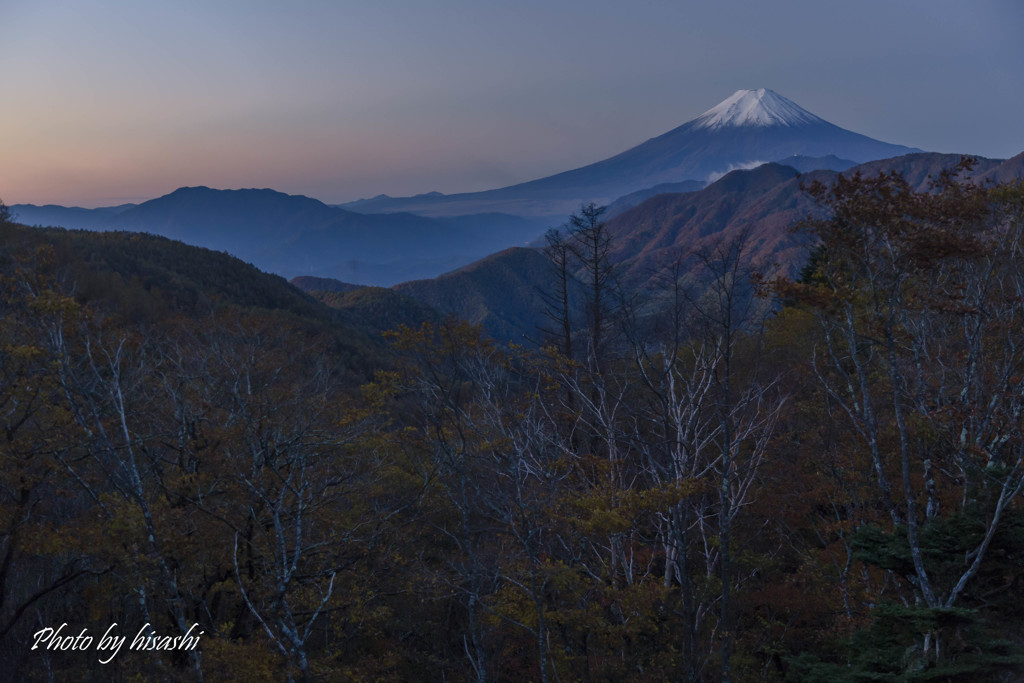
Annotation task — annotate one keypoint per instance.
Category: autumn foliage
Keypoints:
(720, 479)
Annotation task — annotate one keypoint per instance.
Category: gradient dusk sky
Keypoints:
(114, 101)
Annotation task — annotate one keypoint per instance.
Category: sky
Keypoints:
(113, 101)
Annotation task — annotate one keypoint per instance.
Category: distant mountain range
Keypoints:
(502, 292)
(294, 235)
(383, 241)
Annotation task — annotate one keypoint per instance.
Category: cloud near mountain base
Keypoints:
(743, 166)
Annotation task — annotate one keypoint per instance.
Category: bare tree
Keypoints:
(557, 301)
(923, 290)
(590, 242)
(711, 411)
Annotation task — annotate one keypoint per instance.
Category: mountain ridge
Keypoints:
(760, 204)
(389, 240)
(298, 235)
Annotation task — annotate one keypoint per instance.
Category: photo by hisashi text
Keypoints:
(110, 643)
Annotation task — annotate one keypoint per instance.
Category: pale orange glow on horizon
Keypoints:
(117, 101)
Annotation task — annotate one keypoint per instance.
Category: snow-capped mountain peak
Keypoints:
(759, 108)
(750, 127)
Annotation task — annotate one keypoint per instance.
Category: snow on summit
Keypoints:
(760, 107)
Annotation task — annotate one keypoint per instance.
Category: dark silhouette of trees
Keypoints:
(707, 484)
(915, 295)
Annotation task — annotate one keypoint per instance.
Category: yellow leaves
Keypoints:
(662, 497)
(607, 521)
(1010, 193)
(50, 302)
(251, 659)
(125, 521)
(607, 511)
(384, 387)
(23, 353)
(435, 341)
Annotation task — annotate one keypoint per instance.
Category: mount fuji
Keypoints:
(749, 128)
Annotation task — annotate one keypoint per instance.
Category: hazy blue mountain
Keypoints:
(66, 216)
(295, 235)
(238, 221)
(747, 129)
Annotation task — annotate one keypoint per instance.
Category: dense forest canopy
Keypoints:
(719, 478)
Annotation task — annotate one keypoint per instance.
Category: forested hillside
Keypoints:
(716, 476)
(503, 292)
